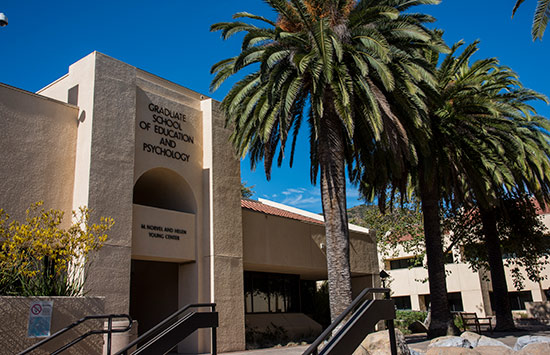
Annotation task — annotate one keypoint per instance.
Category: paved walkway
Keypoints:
(416, 342)
(287, 350)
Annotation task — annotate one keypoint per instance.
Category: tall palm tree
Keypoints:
(527, 157)
(456, 113)
(512, 158)
(331, 63)
(488, 143)
(474, 140)
(540, 19)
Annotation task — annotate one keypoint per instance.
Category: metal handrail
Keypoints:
(312, 349)
(159, 327)
(107, 331)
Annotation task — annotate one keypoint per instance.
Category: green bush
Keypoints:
(405, 318)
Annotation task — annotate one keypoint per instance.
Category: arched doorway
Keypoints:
(154, 283)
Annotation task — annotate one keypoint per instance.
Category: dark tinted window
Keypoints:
(517, 299)
(402, 302)
(401, 263)
(265, 292)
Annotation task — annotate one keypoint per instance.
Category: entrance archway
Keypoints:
(164, 188)
(154, 284)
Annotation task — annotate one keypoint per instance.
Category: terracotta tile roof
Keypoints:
(539, 209)
(273, 211)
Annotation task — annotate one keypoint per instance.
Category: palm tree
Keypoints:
(513, 160)
(331, 63)
(488, 143)
(540, 19)
(474, 139)
(527, 160)
(492, 144)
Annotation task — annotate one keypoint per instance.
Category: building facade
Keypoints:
(156, 157)
(467, 290)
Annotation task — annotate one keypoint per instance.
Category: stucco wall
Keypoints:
(37, 141)
(105, 90)
(276, 244)
(223, 252)
(66, 310)
(474, 286)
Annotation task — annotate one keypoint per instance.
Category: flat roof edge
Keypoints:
(39, 96)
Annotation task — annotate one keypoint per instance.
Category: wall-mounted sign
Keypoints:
(169, 131)
(40, 319)
(160, 234)
(164, 232)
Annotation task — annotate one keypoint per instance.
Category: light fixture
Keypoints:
(384, 276)
(3, 20)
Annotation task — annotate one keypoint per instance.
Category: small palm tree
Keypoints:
(540, 19)
(339, 65)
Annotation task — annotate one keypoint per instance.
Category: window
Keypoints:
(448, 258)
(454, 299)
(402, 302)
(517, 299)
(273, 293)
(401, 263)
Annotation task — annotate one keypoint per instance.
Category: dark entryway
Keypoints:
(153, 292)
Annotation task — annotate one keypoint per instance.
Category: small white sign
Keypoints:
(40, 319)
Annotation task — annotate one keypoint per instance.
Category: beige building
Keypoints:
(155, 156)
(468, 291)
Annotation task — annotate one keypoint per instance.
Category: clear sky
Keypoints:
(171, 39)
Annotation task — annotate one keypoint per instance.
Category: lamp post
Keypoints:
(383, 277)
(389, 322)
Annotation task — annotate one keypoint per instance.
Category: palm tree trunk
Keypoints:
(503, 311)
(441, 319)
(333, 194)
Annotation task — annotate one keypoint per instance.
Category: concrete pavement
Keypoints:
(286, 350)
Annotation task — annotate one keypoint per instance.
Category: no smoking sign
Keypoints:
(36, 309)
(40, 319)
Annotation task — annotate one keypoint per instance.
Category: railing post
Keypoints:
(214, 335)
(393, 341)
(109, 330)
(391, 329)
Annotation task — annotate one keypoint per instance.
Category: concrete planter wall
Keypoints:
(14, 318)
(538, 310)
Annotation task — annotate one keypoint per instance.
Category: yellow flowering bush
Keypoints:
(40, 258)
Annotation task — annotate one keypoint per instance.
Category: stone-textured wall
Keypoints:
(66, 310)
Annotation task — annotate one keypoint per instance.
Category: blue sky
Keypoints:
(171, 39)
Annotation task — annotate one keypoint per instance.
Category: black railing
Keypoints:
(352, 326)
(108, 331)
(171, 331)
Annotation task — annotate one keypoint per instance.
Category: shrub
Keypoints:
(271, 336)
(405, 318)
(39, 258)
